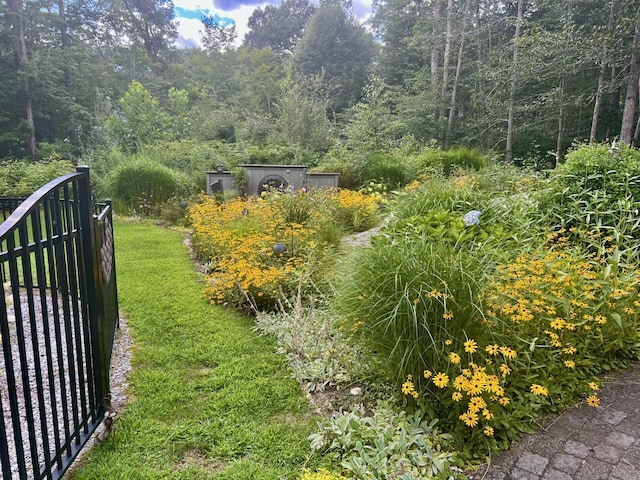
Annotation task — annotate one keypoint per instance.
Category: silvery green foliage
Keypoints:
(389, 444)
(315, 347)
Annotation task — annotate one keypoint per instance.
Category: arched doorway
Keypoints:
(271, 181)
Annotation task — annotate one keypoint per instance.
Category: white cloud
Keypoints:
(189, 28)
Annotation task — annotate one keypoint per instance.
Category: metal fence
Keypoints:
(60, 312)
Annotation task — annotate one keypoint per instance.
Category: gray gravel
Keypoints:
(53, 382)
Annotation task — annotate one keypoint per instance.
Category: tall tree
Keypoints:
(633, 86)
(278, 27)
(22, 65)
(513, 86)
(339, 49)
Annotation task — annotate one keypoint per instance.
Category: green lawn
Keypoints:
(209, 398)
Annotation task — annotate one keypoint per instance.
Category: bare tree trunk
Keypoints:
(636, 135)
(560, 140)
(456, 81)
(631, 99)
(435, 51)
(512, 94)
(64, 39)
(604, 60)
(15, 7)
(447, 53)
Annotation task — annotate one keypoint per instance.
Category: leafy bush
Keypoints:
(142, 184)
(451, 160)
(21, 179)
(389, 444)
(596, 190)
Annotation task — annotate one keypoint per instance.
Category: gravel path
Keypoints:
(44, 338)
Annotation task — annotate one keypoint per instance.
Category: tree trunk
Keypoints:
(447, 53)
(15, 7)
(64, 39)
(560, 140)
(631, 99)
(604, 59)
(512, 94)
(456, 81)
(636, 135)
(435, 51)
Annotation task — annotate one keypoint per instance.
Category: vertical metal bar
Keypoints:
(68, 295)
(49, 225)
(33, 327)
(22, 350)
(5, 461)
(59, 257)
(39, 253)
(88, 243)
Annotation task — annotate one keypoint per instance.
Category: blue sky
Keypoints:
(189, 12)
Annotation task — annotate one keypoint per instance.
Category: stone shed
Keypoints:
(262, 177)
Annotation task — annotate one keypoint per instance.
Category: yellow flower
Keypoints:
(470, 346)
(558, 324)
(469, 418)
(601, 319)
(441, 380)
(508, 352)
(539, 390)
(460, 382)
(448, 342)
(447, 315)
(487, 414)
(505, 370)
(593, 401)
(415, 394)
(476, 404)
(456, 396)
(570, 350)
(570, 364)
(594, 386)
(408, 388)
(492, 349)
(427, 374)
(504, 401)
(454, 358)
(488, 431)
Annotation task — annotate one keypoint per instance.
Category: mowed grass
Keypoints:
(209, 398)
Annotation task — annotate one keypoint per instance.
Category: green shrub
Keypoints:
(451, 160)
(596, 190)
(21, 179)
(130, 182)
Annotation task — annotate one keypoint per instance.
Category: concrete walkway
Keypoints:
(582, 443)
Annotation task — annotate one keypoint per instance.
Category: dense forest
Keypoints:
(311, 83)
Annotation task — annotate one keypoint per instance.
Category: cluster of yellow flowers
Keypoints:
(237, 238)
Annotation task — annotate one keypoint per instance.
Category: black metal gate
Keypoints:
(60, 312)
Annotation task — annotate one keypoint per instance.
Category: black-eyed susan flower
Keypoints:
(505, 370)
(593, 401)
(469, 418)
(488, 431)
(454, 358)
(492, 349)
(427, 374)
(448, 342)
(447, 315)
(470, 346)
(504, 401)
(570, 364)
(539, 390)
(441, 380)
(594, 386)
(456, 396)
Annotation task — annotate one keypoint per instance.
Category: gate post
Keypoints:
(93, 297)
